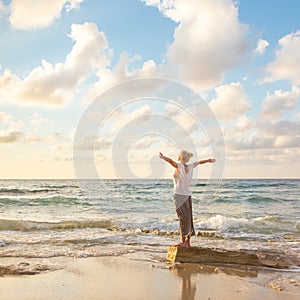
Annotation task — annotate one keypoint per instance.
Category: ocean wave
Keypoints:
(222, 223)
(256, 199)
(60, 186)
(12, 191)
(21, 225)
(266, 183)
(199, 184)
(259, 199)
(17, 191)
(108, 224)
(42, 189)
(41, 201)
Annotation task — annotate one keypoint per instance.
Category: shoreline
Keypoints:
(130, 277)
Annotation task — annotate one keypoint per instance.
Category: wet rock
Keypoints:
(224, 256)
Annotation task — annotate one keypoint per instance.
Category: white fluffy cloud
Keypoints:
(277, 103)
(244, 124)
(8, 122)
(109, 77)
(14, 131)
(208, 41)
(121, 118)
(10, 130)
(261, 46)
(54, 85)
(231, 102)
(145, 142)
(279, 136)
(286, 65)
(29, 14)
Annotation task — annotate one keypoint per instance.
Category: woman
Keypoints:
(182, 196)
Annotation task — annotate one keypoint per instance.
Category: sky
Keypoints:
(239, 59)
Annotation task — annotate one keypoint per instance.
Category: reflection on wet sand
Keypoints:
(188, 289)
(187, 271)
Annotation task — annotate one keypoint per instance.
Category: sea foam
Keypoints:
(222, 223)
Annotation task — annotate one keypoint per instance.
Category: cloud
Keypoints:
(8, 121)
(36, 120)
(120, 118)
(244, 124)
(286, 65)
(208, 41)
(287, 141)
(185, 119)
(296, 117)
(275, 136)
(280, 128)
(171, 110)
(54, 85)
(32, 138)
(261, 47)
(5, 118)
(29, 14)
(18, 131)
(254, 141)
(167, 7)
(10, 137)
(231, 101)
(111, 127)
(109, 77)
(145, 142)
(274, 105)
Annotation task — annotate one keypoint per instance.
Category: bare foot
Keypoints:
(180, 244)
(183, 244)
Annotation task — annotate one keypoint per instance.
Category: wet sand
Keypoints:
(127, 278)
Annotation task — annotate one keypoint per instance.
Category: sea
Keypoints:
(68, 218)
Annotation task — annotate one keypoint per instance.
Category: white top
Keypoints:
(182, 180)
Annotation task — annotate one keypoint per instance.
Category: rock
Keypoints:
(223, 256)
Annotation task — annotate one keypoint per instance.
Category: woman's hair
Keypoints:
(185, 155)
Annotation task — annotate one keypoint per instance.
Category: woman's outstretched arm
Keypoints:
(200, 162)
(169, 160)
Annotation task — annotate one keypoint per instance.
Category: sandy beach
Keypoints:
(123, 277)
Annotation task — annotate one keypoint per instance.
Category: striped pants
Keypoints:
(183, 205)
